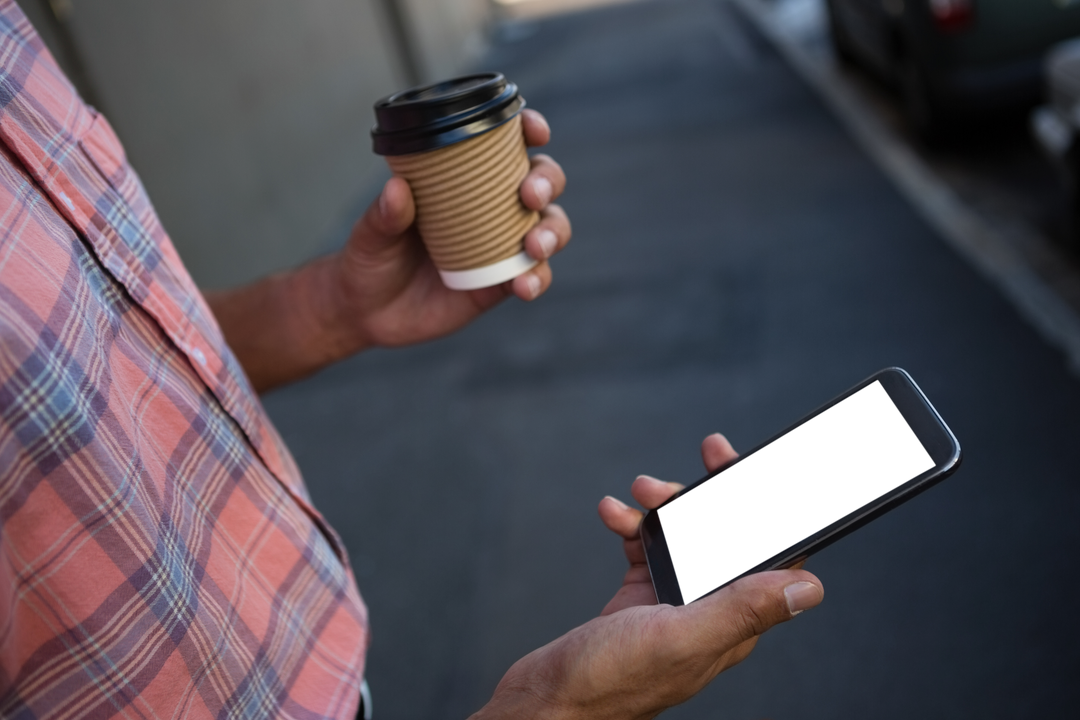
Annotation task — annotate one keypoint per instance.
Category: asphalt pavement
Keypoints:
(737, 260)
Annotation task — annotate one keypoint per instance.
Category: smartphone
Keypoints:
(872, 448)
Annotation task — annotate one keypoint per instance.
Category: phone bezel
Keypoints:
(924, 420)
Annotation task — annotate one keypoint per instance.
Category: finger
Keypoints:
(638, 573)
(386, 220)
(549, 235)
(532, 284)
(544, 182)
(749, 607)
(650, 492)
(535, 128)
(634, 550)
(631, 594)
(620, 518)
(716, 451)
(740, 653)
(396, 210)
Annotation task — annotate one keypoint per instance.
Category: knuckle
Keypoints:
(753, 615)
(555, 212)
(542, 159)
(755, 620)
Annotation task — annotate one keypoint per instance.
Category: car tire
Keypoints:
(924, 115)
(841, 43)
(1071, 173)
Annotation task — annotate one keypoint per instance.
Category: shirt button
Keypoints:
(199, 357)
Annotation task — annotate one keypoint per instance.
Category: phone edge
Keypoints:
(843, 527)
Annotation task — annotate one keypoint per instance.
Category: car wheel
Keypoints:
(839, 38)
(1071, 172)
(924, 115)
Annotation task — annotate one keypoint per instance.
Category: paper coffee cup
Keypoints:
(459, 145)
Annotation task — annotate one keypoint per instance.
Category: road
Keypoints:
(737, 260)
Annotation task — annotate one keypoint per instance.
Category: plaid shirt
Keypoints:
(159, 556)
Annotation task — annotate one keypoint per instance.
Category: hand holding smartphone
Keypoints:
(862, 454)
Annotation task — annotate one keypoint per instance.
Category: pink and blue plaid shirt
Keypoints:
(159, 556)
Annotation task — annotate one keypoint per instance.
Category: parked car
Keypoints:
(954, 59)
(1057, 126)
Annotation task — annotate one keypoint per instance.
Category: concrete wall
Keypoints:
(446, 34)
(248, 120)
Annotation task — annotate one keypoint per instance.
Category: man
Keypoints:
(159, 555)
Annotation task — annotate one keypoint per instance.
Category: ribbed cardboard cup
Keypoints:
(468, 207)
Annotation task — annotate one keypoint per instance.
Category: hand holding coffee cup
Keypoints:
(459, 145)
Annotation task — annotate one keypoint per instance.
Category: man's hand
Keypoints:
(625, 522)
(389, 283)
(382, 288)
(639, 658)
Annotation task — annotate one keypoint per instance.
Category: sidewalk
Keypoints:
(982, 208)
(737, 260)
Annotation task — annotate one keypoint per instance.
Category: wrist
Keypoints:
(518, 706)
(286, 326)
(530, 690)
(322, 311)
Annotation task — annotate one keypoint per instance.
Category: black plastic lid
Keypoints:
(434, 116)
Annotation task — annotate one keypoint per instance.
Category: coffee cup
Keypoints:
(459, 145)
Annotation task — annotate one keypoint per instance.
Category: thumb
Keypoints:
(386, 219)
(747, 608)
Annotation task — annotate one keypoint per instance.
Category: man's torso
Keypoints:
(158, 552)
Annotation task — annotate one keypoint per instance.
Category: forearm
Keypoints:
(381, 288)
(284, 327)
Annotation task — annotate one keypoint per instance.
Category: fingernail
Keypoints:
(802, 596)
(542, 188)
(547, 241)
(532, 284)
(617, 501)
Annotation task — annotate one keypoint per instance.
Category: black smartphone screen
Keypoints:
(866, 451)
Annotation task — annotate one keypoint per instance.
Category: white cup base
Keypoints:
(488, 275)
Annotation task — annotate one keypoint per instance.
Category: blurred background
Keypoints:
(771, 200)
